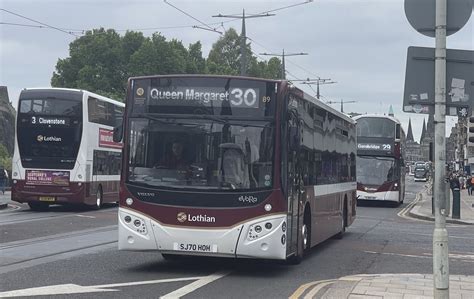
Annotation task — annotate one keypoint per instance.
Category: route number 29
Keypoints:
(266, 99)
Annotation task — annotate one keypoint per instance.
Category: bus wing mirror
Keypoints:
(118, 133)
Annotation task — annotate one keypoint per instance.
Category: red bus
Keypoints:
(232, 167)
(64, 148)
(380, 159)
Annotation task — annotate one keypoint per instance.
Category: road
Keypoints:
(72, 253)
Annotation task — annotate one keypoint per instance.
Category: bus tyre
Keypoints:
(303, 242)
(38, 206)
(340, 234)
(98, 199)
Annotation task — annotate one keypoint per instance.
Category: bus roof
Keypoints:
(120, 103)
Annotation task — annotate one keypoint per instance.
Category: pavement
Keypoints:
(421, 208)
(398, 286)
(4, 199)
(386, 286)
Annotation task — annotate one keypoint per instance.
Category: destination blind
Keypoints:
(206, 96)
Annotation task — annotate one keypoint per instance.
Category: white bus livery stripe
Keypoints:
(321, 190)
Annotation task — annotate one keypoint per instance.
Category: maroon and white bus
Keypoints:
(380, 158)
(232, 167)
(64, 148)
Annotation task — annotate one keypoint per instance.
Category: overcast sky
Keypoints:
(361, 44)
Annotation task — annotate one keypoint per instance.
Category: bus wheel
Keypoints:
(304, 242)
(98, 199)
(343, 222)
(38, 206)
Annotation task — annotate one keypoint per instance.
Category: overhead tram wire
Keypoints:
(209, 28)
(35, 21)
(288, 60)
(289, 6)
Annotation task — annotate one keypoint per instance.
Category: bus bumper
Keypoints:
(138, 232)
(380, 196)
(73, 193)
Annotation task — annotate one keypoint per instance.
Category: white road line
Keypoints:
(194, 286)
(428, 255)
(63, 289)
(431, 235)
(84, 216)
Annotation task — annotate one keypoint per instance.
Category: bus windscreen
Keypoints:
(205, 153)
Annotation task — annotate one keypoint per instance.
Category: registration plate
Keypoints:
(47, 198)
(194, 247)
(370, 197)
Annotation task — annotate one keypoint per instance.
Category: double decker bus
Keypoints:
(64, 148)
(380, 158)
(232, 167)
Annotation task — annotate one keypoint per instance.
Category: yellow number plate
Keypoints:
(47, 198)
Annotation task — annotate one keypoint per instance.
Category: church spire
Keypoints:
(423, 131)
(410, 133)
(390, 111)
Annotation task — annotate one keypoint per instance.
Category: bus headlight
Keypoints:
(262, 229)
(129, 201)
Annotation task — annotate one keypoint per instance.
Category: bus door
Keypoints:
(294, 183)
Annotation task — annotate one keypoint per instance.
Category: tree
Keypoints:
(96, 63)
(224, 59)
(101, 61)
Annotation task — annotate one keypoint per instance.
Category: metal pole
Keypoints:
(283, 69)
(440, 234)
(317, 88)
(243, 48)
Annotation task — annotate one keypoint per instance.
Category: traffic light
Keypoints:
(470, 131)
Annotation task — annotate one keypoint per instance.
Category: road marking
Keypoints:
(63, 289)
(296, 294)
(195, 285)
(406, 209)
(316, 289)
(466, 258)
(84, 216)
(431, 235)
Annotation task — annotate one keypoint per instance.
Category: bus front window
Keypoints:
(375, 171)
(201, 153)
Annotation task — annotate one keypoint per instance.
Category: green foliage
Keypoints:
(5, 159)
(101, 61)
(224, 59)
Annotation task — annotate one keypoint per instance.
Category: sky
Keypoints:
(360, 44)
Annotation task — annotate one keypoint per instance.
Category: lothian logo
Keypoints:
(183, 217)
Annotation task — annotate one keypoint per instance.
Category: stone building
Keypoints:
(7, 121)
